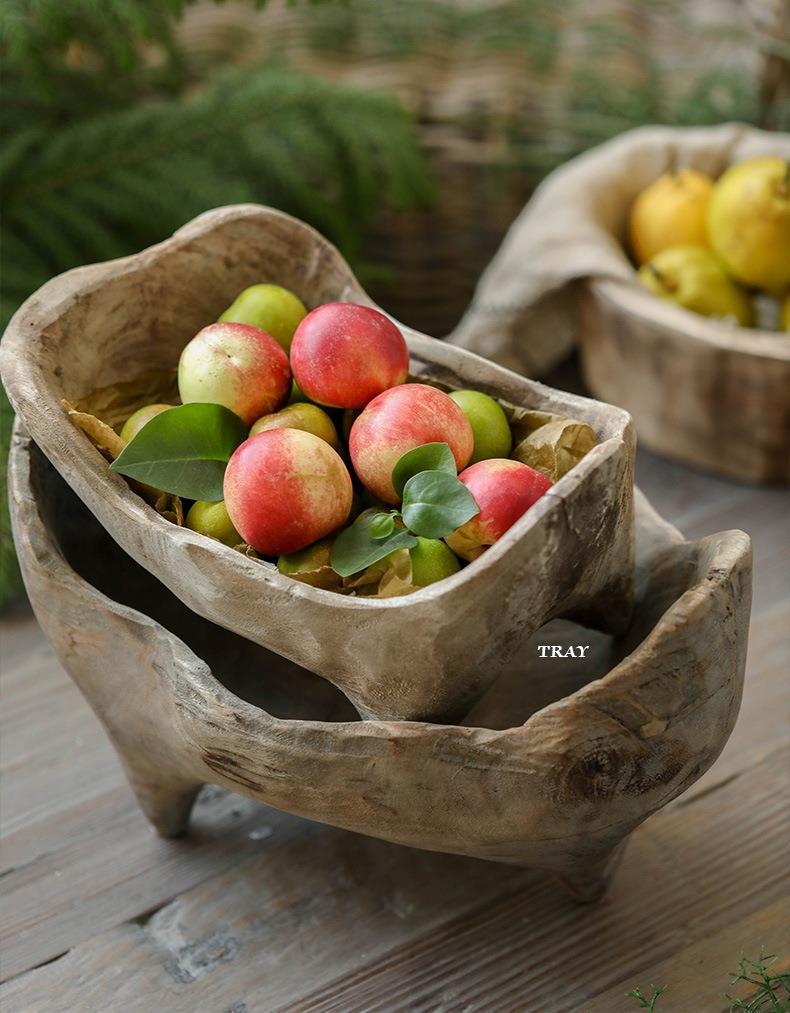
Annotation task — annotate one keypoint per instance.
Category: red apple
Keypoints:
(284, 489)
(343, 355)
(503, 490)
(235, 365)
(401, 419)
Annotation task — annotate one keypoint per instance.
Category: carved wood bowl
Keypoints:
(553, 768)
(429, 655)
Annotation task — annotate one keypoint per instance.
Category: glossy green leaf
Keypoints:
(435, 503)
(355, 549)
(184, 450)
(428, 457)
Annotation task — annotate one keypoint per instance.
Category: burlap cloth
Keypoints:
(523, 312)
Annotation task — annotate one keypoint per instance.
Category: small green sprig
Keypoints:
(435, 503)
(645, 1002)
(773, 990)
(772, 995)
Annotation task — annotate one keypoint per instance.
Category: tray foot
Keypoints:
(587, 883)
(165, 801)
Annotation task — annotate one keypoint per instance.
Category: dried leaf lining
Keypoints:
(115, 403)
(552, 444)
(110, 444)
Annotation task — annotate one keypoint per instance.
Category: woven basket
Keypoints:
(493, 111)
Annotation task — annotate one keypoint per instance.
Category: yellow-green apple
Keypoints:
(504, 490)
(271, 307)
(301, 415)
(343, 355)
(235, 365)
(285, 489)
(431, 560)
(489, 424)
(212, 519)
(399, 420)
(135, 422)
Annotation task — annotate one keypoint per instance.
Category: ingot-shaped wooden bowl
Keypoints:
(554, 767)
(429, 655)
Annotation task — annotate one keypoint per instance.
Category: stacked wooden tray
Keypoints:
(207, 666)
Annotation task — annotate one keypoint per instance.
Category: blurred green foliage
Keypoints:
(111, 145)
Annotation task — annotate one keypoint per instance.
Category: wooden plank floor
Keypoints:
(262, 911)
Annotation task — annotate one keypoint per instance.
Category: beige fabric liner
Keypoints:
(523, 311)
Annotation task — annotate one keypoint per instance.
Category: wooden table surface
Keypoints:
(257, 910)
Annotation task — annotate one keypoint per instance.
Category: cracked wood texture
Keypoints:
(260, 911)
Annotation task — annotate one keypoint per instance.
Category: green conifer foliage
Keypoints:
(110, 146)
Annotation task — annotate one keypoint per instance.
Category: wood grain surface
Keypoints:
(262, 911)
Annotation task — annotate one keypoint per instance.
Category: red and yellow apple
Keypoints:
(343, 355)
(285, 489)
(399, 420)
(504, 490)
(235, 365)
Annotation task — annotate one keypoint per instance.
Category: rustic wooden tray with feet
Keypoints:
(557, 763)
(427, 656)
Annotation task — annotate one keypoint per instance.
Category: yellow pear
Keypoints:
(690, 276)
(749, 222)
(672, 211)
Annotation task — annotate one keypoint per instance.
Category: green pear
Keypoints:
(300, 415)
(489, 424)
(690, 276)
(749, 222)
(432, 560)
(212, 519)
(271, 307)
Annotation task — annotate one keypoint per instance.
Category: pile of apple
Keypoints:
(417, 468)
(718, 247)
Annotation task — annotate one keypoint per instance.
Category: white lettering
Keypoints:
(556, 651)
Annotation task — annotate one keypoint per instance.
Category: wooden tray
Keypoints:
(700, 391)
(428, 655)
(554, 768)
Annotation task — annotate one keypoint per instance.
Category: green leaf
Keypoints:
(435, 503)
(354, 549)
(428, 457)
(184, 450)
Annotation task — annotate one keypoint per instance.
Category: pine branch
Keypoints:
(114, 183)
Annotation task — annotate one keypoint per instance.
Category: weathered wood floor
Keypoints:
(261, 911)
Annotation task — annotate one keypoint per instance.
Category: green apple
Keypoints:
(212, 519)
(489, 424)
(307, 417)
(271, 307)
(135, 422)
(432, 560)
